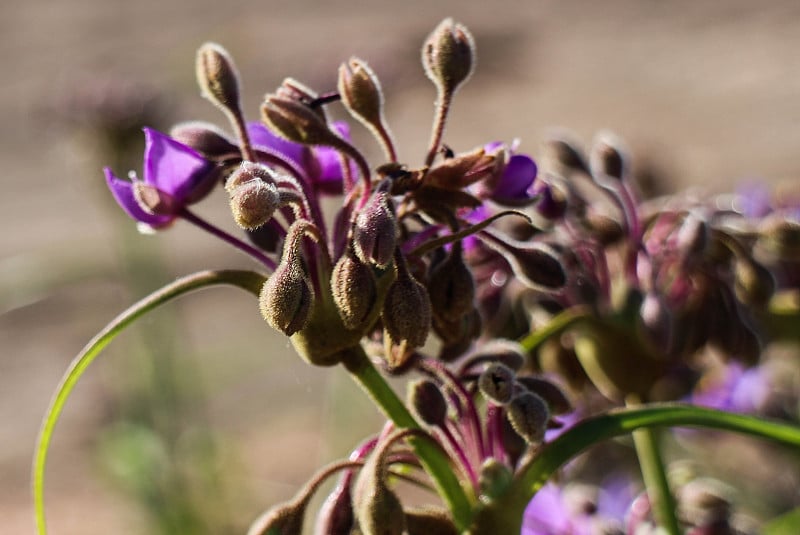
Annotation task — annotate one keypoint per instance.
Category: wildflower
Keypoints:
(175, 176)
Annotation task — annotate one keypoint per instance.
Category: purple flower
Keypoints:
(514, 185)
(175, 176)
(737, 389)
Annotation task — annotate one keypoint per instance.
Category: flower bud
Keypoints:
(254, 203)
(336, 514)
(451, 286)
(407, 310)
(494, 478)
(284, 519)
(528, 415)
(780, 237)
(361, 92)
(448, 56)
(429, 521)
(535, 264)
(563, 158)
(354, 290)
(297, 91)
(374, 231)
(552, 202)
(496, 383)
(217, 77)
(428, 402)
(206, 138)
(555, 398)
(606, 157)
(287, 296)
(377, 508)
(296, 122)
(704, 502)
(465, 169)
(754, 284)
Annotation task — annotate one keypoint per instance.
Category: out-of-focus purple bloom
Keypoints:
(515, 183)
(753, 200)
(738, 389)
(173, 173)
(322, 165)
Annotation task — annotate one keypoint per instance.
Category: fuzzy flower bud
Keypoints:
(407, 310)
(429, 521)
(496, 383)
(217, 77)
(451, 286)
(296, 122)
(285, 519)
(287, 296)
(528, 415)
(336, 514)
(254, 203)
(374, 231)
(606, 158)
(448, 56)
(361, 92)
(378, 509)
(555, 398)
(428, 402)
(494, 478)
(535, 264)
(206, 138)
(354, 290)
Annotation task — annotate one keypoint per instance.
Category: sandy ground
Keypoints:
(707, 94)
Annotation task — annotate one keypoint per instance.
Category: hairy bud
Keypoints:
(217, 77)
(354, 290)
(448, 56)
(528, 415)
(496, 383)
(206, 138)
(494, 478)
(296, 122)
(407, 310)
(451, 286)
(535, 264)
(361, 92)
(378, 509)
(606, 158)
(374, 231)
(285, 519)
(429, 521)
(428, 402)
(336, 514)
(254, 203)
(287, 296)
(555, 398)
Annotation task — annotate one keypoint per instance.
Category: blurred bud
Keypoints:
(528, 415)
(336, 514)
(206, 138)
(563, 158)
(692, 237)
(656, 320)
(507, 352)
(606, 157)
(552, 202)
(448, 56)
(558, 360)
(704, 502)
(374, 231)
(361, 92)
(754, 284)
(429, 521)
(604, 229)
(152, 200)
(556, 399)
(296, 122)
(494, 478)
(377, 508)
(297, 91)
(534, 263)
(287, 296)
(407, 310)
(780, 237)
(284, 519)
(451, 286)
(428, 402)
(217, 77)
(496, 383)
(354, 290)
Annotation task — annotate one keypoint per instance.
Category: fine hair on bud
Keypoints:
(206, 138)
(528, 415)
(448, 56)
(217, 77)
(429, 521)
(375, 231)
(248, 172)
(254, 203)
(407, 310)
(361, 92)
(451, 286)
(336, 514)
(496, 383)
(354, 290)
(284, 519)
(494, 478)
(427, 401)
(287, 296)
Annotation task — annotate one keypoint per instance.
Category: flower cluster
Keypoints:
(522, 299)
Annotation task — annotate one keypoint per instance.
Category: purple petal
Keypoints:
(330, 178)
(264, 139)
(518, 176)
(123, 193)
(173, 167)
(546, 514)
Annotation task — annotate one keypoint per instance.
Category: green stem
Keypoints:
(648, 450)
(558, 324)
(435, 462)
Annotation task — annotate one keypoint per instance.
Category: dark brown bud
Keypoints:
(428, 402)
(451, 286)
(206, 138)
(562, 157)
(284, 519)
(494, 478)
(287, 296)
(448, 56)
(606, 158)
(556, 399)
(296, 122)
(528, 415)
(429, 521)
(354, 290)
(217, 77)
(407, 310)
(506, 352)
(374, 231)
(754, 284)
(535, 264)
(361, 92)
(497, 383)
(336, 514)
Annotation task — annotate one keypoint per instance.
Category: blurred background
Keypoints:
(201, 416)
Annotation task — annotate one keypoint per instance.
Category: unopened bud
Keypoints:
(497, 383)
(494, 478)
(428, 402)
(556, 399)
(528, 415)
(217, 77)
(606, 158)
(536, 264)
(206, 138)
(354, 290)
(563, 158)
(285, 519)
(451, 286)
(377, 508)
(287, 296)
(448, 56)
(299, 92)
(704, 502)
(152, 200)
(361, 92)
(780, 237)
(407, 310)
(296, 122)
(429, 521)
(506, 352)
(552, 202)
(254, 203)
(754, 284)
(336, 514)
(374, 232)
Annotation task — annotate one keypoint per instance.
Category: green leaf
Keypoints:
(246, 280)
(787, 524)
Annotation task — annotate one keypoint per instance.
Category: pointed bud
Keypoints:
(378, 510)
(556, 399)
(375, 229)
(563, 157)
(428, 402)
(336, 514)
(407, 310)
(451, 286)
(354, 290)
(152, 200)
(217, 77)
(536, 264)
(606, 158)
(361, 92)
(496, 383)
(494, 478)
(287, 296)
(296, 122)
(429, 521)
(528, 415)
(297, 91)
(448, 56)
(285, 519)
(206, 138)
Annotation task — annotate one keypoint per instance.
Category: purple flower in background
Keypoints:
(174, 176)
(738, 389)
(514, 185)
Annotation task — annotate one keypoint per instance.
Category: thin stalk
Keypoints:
(442, 109)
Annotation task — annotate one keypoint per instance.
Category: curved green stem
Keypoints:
(246, 280)
(435, 462)
(558, 324)
(506, 513)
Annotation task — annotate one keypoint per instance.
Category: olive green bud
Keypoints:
(494, 478)
(374, 231)
(377, 508)
(254, 203)
(496, 383)
(754, 284)
(361, 93)
(206, 138)
(451, 286)
(428, 402)
(287, 296)
(296, 122)
(354, 290)
(217, 77)
(528, 415)
(556, 399)
(429, 521)
(407, 310)
(606, 158)
(284, 519)
(448, 56)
